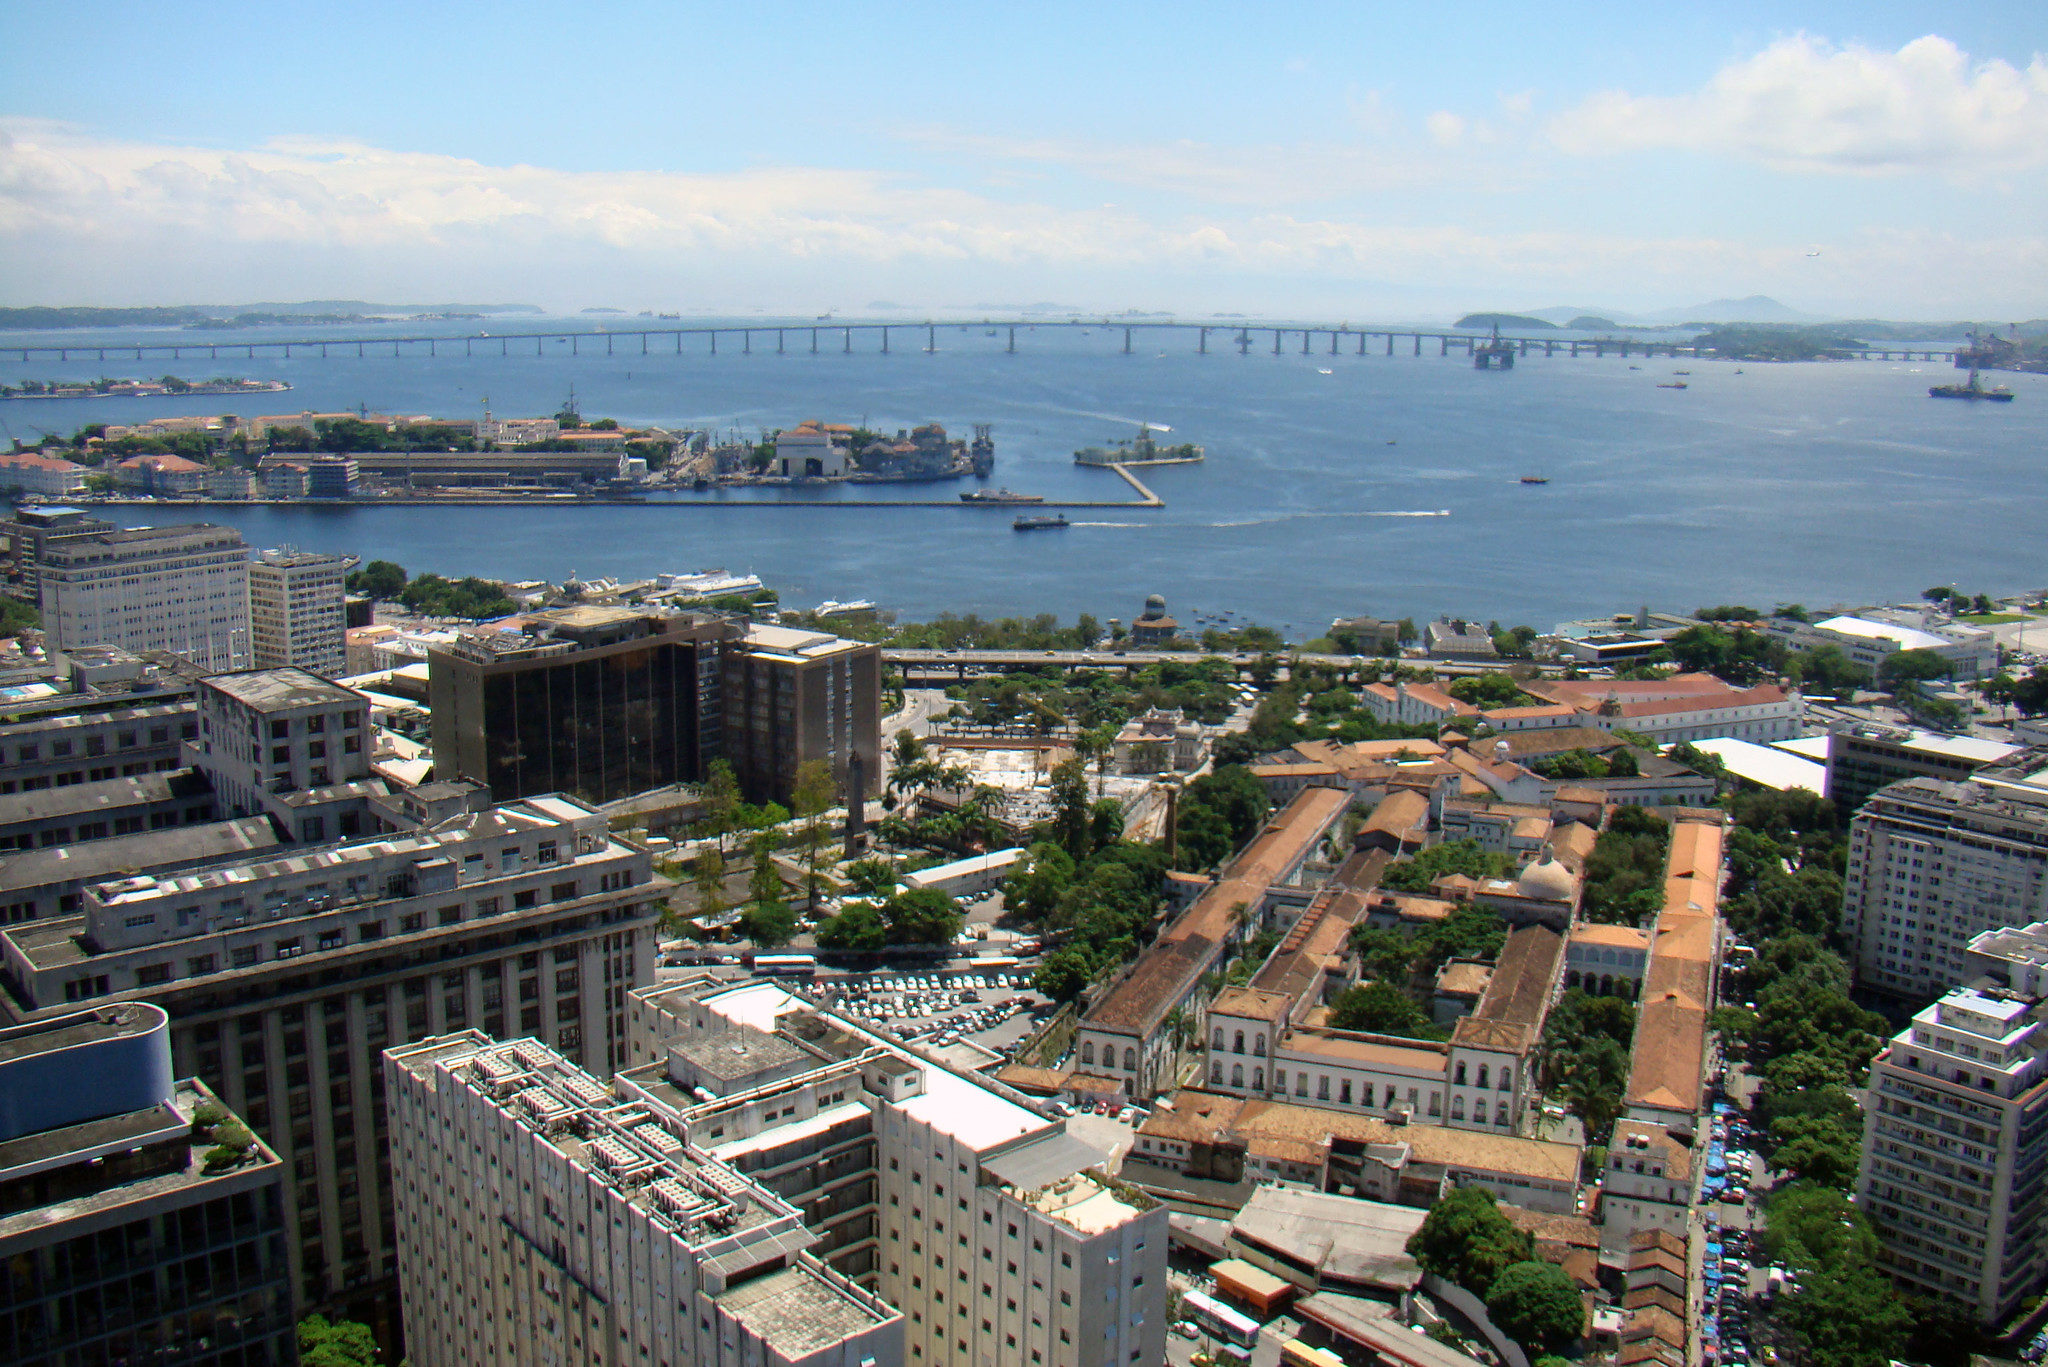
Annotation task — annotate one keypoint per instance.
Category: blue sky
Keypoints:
(1357, 161)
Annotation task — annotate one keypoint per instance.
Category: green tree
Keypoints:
(770, 925)
(859, 925)
(922, 916)
(1042, 878)
(1536, 1304)
(1913, 666)
(1489, 691)
(872, 876)
(1453, 856)
(1105, 822)
(1070, 817)
(721, 802)
(810, 794)
(1850, 1318)
(1812, 1228)
(1063, 973)
(707, 874)
(379, 579)
(335, 1343)
(1465, 1239)
(1819, 1148)
(1383, 1009)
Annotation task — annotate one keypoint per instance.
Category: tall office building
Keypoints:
(1865, 757)
(1955, 1144)
(125, 1234)
(1934, 862)
(182, 589)
(296, 612)
(287, 977)
(986, 1224)
(542, 1219)
(795, 696)
(598, 702)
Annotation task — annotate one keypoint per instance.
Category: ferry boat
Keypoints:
(1675, 384)
(1535, 479)
(1000, 496)
(1039, 524)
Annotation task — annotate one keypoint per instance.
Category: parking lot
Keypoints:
(994, 1008)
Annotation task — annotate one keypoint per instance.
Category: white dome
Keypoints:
(1546, 880)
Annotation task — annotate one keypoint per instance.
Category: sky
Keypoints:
(1357, 162)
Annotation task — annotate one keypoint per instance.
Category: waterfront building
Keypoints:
(1934, 862)
(1872, 638)
(1683, 707)
(1454, 638)
(287, 977)
(811, 451)
(542, 1219)
(1955, 1140)
(331, 477)
(235, 482)
(183, 589)
(599, 702)
(1864, 757)
(1153, 627)
(29, 472)
(295, 610)
(283, 478)
(160, 476)
(128, 1234)
(986, 1224)
(795, 696)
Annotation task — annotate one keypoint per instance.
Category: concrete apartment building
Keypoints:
(31, 472)
(1933, 863)
(1955, 1142)
(898, 1208)
(1871, 639)
(181, 589)
(542, 1219)
(123, 1238)
(296, 610)
(287, 977)
(32, 530)
(1864, 758)
(596, 702)
(970, 1212)
(796, 696)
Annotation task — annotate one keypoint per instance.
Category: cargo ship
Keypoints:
(1039, 524)
(1997, 393)
(1000, 496)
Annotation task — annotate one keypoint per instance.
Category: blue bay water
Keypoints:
(1389, 486)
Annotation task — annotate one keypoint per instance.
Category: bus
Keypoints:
(1295, 1353)
(1234, 1333)
(785, 965)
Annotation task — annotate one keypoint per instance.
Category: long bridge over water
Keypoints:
(887, 338)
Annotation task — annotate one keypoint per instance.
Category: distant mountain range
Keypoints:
(202, 315)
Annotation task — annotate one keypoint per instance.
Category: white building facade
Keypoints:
(182, 589)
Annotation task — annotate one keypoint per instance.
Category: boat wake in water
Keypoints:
(1277, 517)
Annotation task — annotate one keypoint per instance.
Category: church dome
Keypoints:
(1155, 605)
(1546, 880)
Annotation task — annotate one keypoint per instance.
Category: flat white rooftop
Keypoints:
(1908, 638)
(1765, 765)
(1806, 747)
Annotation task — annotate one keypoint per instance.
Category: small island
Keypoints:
(105, 388)
(1140, 451)
(1505, 320)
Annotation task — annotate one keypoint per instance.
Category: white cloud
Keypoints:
(87, 220)
(1447, 128)
(1802, 104)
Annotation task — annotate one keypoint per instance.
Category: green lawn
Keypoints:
(1992, 619)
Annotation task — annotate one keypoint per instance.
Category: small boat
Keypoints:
(1321, 371)
(1975, 389)
(1039, 524)
(1000, 496)
(1535, 479)
(1675, 384)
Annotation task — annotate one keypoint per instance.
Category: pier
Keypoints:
(999, 335)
